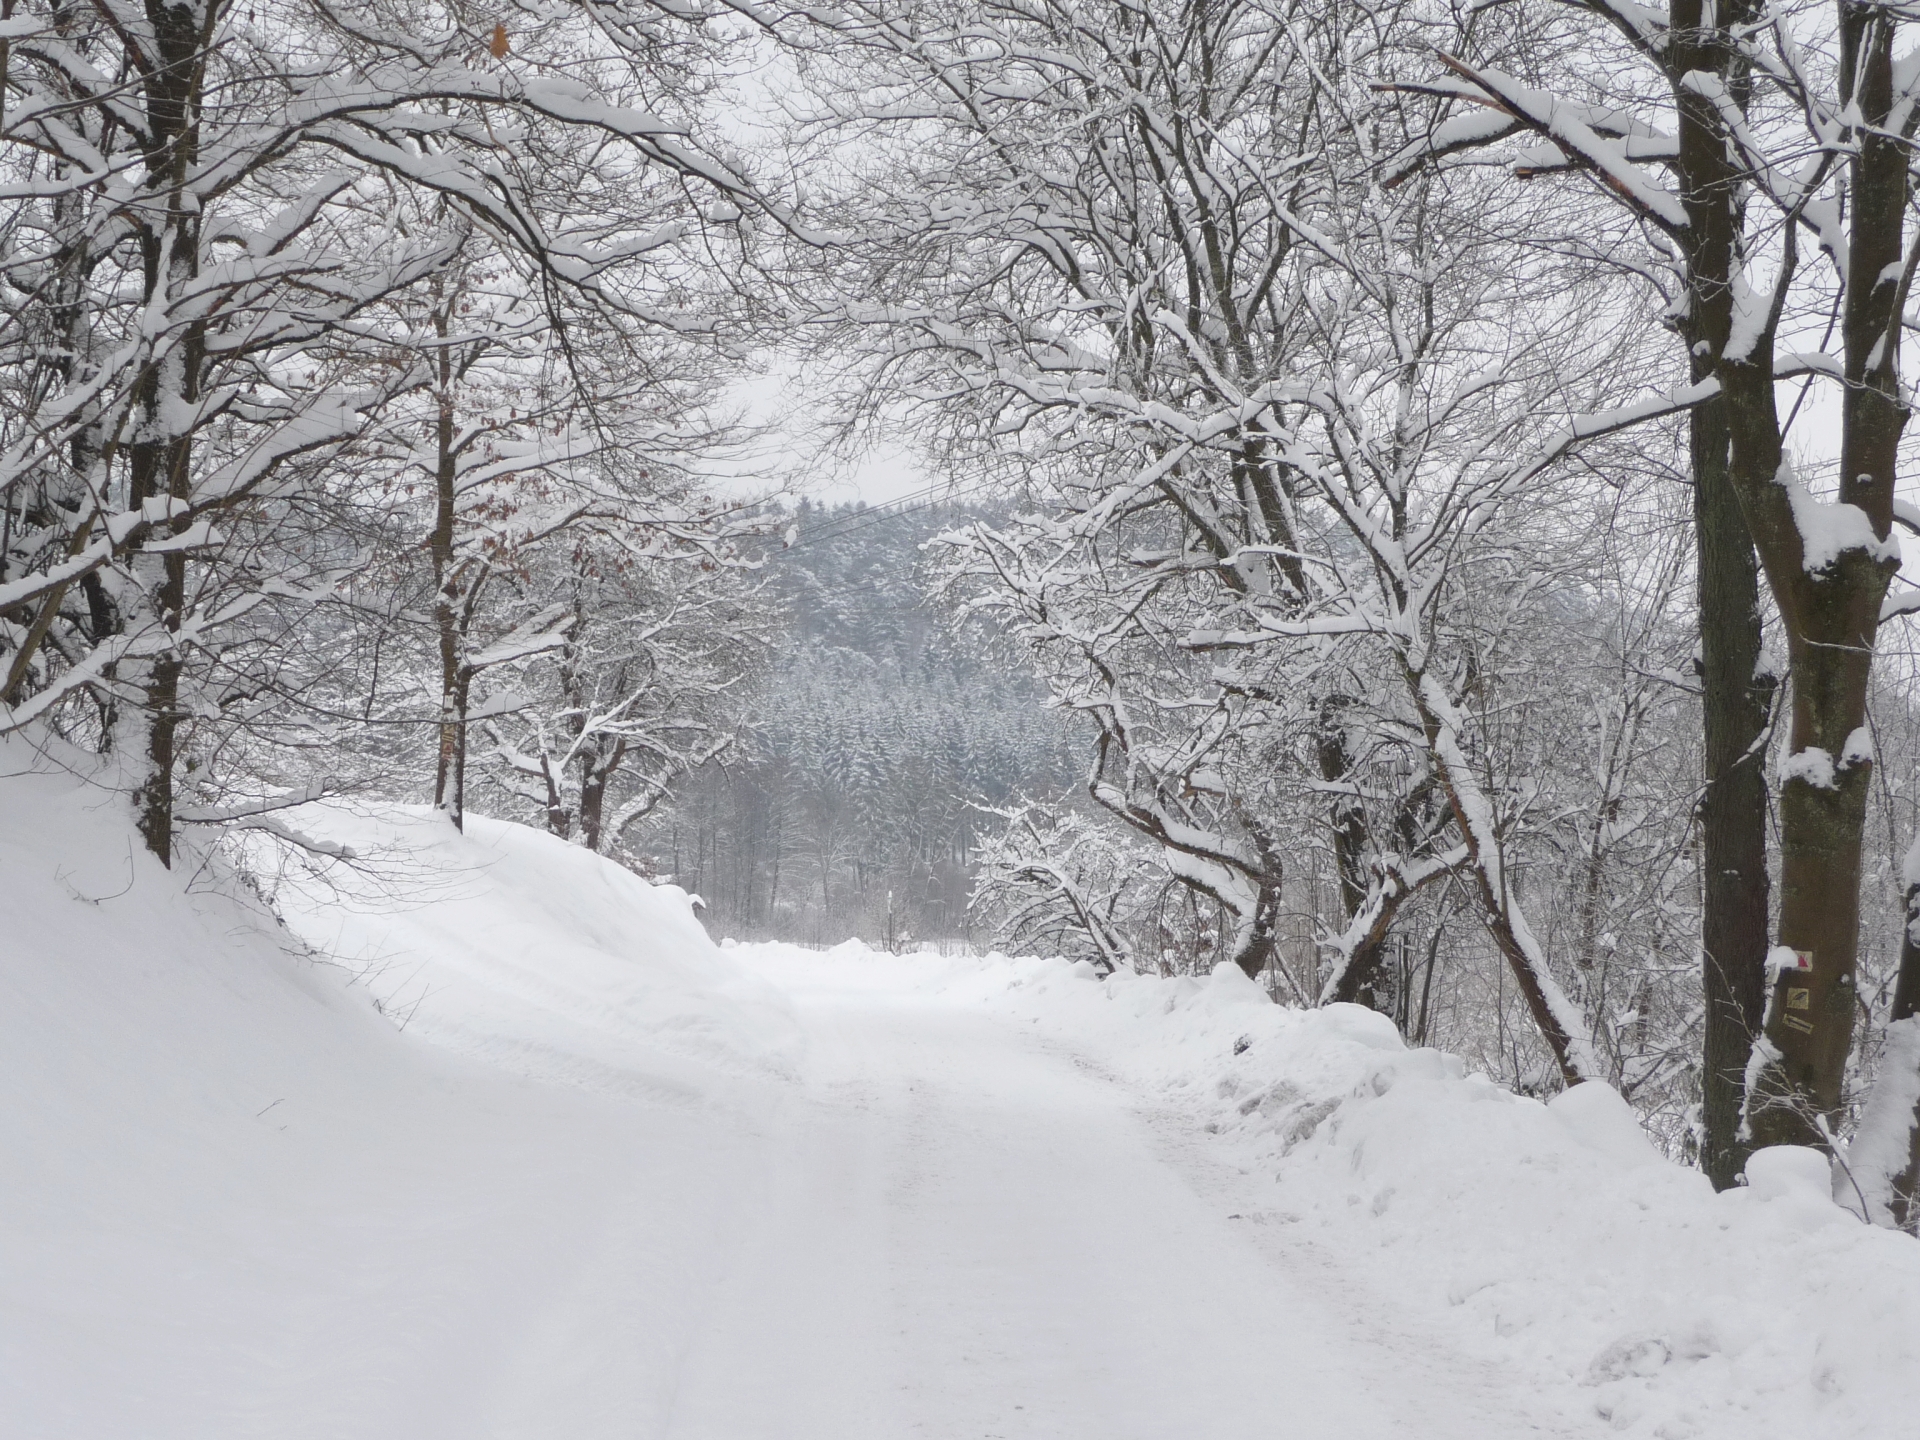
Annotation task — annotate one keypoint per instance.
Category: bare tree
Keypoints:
(1767, 138)
(210, 202)
(1273, 410)
(636, 694)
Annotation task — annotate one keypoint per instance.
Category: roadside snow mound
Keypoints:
(235, 1201)
(509, 944)
(1549, 1236)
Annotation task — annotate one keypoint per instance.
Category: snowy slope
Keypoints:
(1550, 1238)
(236, 1201)
(524, 951)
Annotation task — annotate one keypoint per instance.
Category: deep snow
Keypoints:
(514, 947)
(236, 1201)
(614, 1180)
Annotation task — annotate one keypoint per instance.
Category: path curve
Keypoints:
(967, 1235)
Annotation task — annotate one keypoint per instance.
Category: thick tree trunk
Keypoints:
(1735, 702)
(1829, 580)
(596, 771)
(1736, 698)
(1810, 1018)
(1255, 948)
(1261, 945)
(1794, 1082)
(1354, 984)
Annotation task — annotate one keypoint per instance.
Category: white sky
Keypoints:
(787, 456)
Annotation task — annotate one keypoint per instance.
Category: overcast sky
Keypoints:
(788, 454)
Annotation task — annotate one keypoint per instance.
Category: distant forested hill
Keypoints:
(870, 727)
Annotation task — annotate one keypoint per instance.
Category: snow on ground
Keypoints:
(530, 1157)
(510, 945)
(236, 1201)
(1548, 1239)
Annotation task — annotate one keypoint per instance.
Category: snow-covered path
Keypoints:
(617, 1183)
(966, 1234)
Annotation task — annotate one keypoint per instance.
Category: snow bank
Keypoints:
(1551, 1237)
(236, 1201)
(515, 947)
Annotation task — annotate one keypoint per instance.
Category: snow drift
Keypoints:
(237, 1200)
(519, 949)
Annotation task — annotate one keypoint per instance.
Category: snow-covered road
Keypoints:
(968, 1234)
(614, 1182)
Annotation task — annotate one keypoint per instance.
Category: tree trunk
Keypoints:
(1254, 952)
(1554, 1016)
(450, 755)
(558, 821)
(1735, 703)
(160, 460)
(1829, 581)
(1347, 820)
(594, 776)
(153, 799)
(452, 796)
(1736, 699)
(1354, 985)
